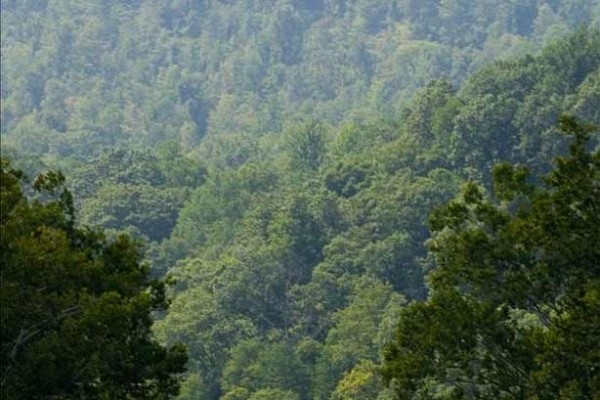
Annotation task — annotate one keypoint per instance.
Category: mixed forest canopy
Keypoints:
(79, 76)
(316, 181)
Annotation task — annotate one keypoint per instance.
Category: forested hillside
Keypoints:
(305, 257)
(79, 75)
(280, 159)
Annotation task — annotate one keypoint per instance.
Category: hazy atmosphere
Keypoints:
(300, 200)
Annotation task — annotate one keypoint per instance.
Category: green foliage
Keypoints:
(152, 211)
(274, 251)
(362, 383)
(79, 78)
(359, 331)
(347, 178)
(184, 123)
(76, 308)
(513, 283)
(136, 191)
(260, 367)
(306, 147)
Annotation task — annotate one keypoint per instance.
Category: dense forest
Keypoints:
(318, 200)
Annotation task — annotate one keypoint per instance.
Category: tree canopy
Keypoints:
(513, 311)
(76, 308)
(279, 160)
